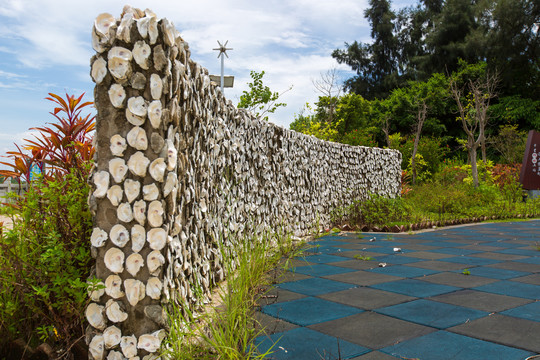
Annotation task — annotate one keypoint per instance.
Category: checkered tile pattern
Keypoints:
(468, 292)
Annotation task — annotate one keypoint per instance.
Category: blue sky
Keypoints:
(45, 47)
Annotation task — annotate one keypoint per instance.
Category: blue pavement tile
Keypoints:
(416, 288)
(396, 259)
(456, 251)
(512, 288)
(444, 244)
(530, 311)
(443, 345)
(307, 344)
(309, 311)
(404, 271)
(432, 313)
(315, 286)
(385, 249)
(532, 260)
(495, 273)
(525, 252)
(323, 258)
(472, 261)
(321, 270)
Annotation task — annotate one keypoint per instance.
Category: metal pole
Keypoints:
(222, 70)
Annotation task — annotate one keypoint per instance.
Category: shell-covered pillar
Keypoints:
(181, 175)
(139, 68)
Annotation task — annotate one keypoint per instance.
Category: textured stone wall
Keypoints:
(179, 169)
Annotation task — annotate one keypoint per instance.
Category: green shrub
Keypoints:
(45, 262)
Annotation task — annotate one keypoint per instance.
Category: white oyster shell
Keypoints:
(134, 119)
(114, 312)
(99, 237)
(118, 145)
(172, 155)
(156, 86)
(117, 355)
(170, 183)
(97, 291)
(119, 68)
(96, 348)
(134, 263)
(149, 342)
(101, 180)
(124, 212)
(128, 344)
(157, 169)
(142, 26)
(137, 139)
(94, 315)
(154, 113)
(141, 54)
(112, 336)
(113, 286)
(153, 30)
(115, 195)
(118, 169)
(132, 188)
(138, 163)
(153, 288)
(138, 238)
(117, 95)
(154, 261)
(157, 238)
(99, 70)
(155, 214)
(137, 105)
(103, 24)
(119, 235)
(114, 260)
(169, 32)
(150, 192)
(139, 211)
(135, 291)
(123, 32)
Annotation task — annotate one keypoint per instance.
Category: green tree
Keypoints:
(260, 99)
(376, 63)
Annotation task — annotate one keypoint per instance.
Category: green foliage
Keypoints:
(45, 261)
(510, 143)
(260, 99)
(432, 150)
(363, 258)
(466, 272)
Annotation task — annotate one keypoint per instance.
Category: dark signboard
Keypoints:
(530, 171)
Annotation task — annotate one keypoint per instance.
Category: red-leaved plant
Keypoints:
(64, 146)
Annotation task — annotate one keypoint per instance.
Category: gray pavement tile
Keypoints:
(480, 300)
(288, 276)
(428, 255)
(357, 246)
(457, 279)
(277, 295)
(375, 355)
(498, 256)
(506, 330)
(481, 247)
(420, 247)
(517, 266)
(366, 298)
(270, 325)
(372, 330)
(356, 264)
(362, 278)
(417, 288)
(530, 279)
(351, 254)
(439, 265)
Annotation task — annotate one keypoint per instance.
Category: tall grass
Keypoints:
(228, 331)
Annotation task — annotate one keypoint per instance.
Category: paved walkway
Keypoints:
(462, 293)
